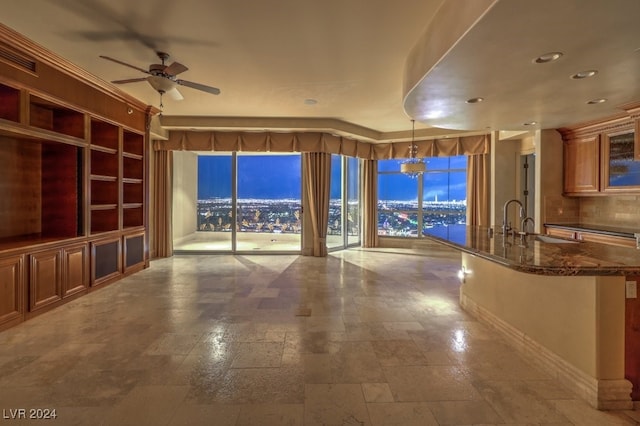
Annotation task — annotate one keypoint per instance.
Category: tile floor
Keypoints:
(362, 337)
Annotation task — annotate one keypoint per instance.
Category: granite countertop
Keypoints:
(554, 257)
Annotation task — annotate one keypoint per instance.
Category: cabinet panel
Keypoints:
(133, 250)
(561, 233)
(11, 289)
(75, 277)
(105, 260)
(581, 165)
(44, 279)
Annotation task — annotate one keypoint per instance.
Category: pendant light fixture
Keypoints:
(413, 166)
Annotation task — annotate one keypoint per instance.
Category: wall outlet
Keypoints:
(631, 289)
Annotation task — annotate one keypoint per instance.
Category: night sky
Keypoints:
(274, 177)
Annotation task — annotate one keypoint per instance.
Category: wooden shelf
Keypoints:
(104, 164)
(133, 143)
(103, 207)
(104, 218)
(132, 168)
(132, 156)
(72, 185)
(104, 149)
(47, 115)
(105, 135)
(104, 178)
(104, 192)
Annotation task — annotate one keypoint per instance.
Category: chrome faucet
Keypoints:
(505, 226)
(523, 224)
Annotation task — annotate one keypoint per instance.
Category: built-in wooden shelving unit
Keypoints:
(73, 185)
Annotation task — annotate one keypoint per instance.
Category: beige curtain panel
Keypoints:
(163, 203)
(478, 187)
(369, 203)
(317, 168)
(318, 142)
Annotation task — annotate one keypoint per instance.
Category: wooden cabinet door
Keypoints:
(581, 165)
(75, 275)
(632, 342)
(44, 279)
(11, 289)
(620, 171)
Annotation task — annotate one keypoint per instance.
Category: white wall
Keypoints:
(185, 193)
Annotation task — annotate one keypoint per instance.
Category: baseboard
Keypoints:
(600, 394)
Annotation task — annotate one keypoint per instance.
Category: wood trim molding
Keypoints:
(30, 49)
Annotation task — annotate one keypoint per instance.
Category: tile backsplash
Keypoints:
(619, 210)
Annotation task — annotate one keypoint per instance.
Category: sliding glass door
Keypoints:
(244, 203)
(269, 203)
(344, 205)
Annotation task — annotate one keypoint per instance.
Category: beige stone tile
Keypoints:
(334, 404)
(196, 415)
(271, 415)
(147, 405)
(398, 352)
(203, 315)
(515, 402)
(377, 392)
(403, 325)
(401, 414)
(580, 413)
(429, 383)
(464, 412)
(258, 354)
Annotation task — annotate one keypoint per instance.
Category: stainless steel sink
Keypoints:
(554, 240)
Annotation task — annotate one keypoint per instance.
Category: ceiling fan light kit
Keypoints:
(163, 79)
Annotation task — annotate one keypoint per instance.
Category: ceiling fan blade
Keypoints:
(124, 63)
(175, 68)
(174, 94)
(198, 86)
(129, 80)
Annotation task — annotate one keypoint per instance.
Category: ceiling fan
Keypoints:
(162, 77)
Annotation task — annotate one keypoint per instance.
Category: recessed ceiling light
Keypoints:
(530, 123)
(310, 101)
(474, 100)
(584, 74)
(547, 57)
(596, 101)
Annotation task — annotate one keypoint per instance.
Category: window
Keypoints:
(434, 203)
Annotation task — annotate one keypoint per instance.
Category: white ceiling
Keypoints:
(268, 57)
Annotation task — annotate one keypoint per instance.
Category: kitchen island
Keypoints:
(560, 302)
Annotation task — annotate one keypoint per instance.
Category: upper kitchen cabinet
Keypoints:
(620, 170)
(604, 157)
(581, 165)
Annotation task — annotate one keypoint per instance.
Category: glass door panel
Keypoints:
(268, 215)
(335, 234)
(353, 201)
(203, 202)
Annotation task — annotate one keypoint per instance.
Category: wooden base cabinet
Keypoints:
(106, 261)
(11, 290)
(45, 278)
(75, 269)
(73, 179)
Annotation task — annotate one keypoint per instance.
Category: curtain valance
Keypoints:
(318, 142)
